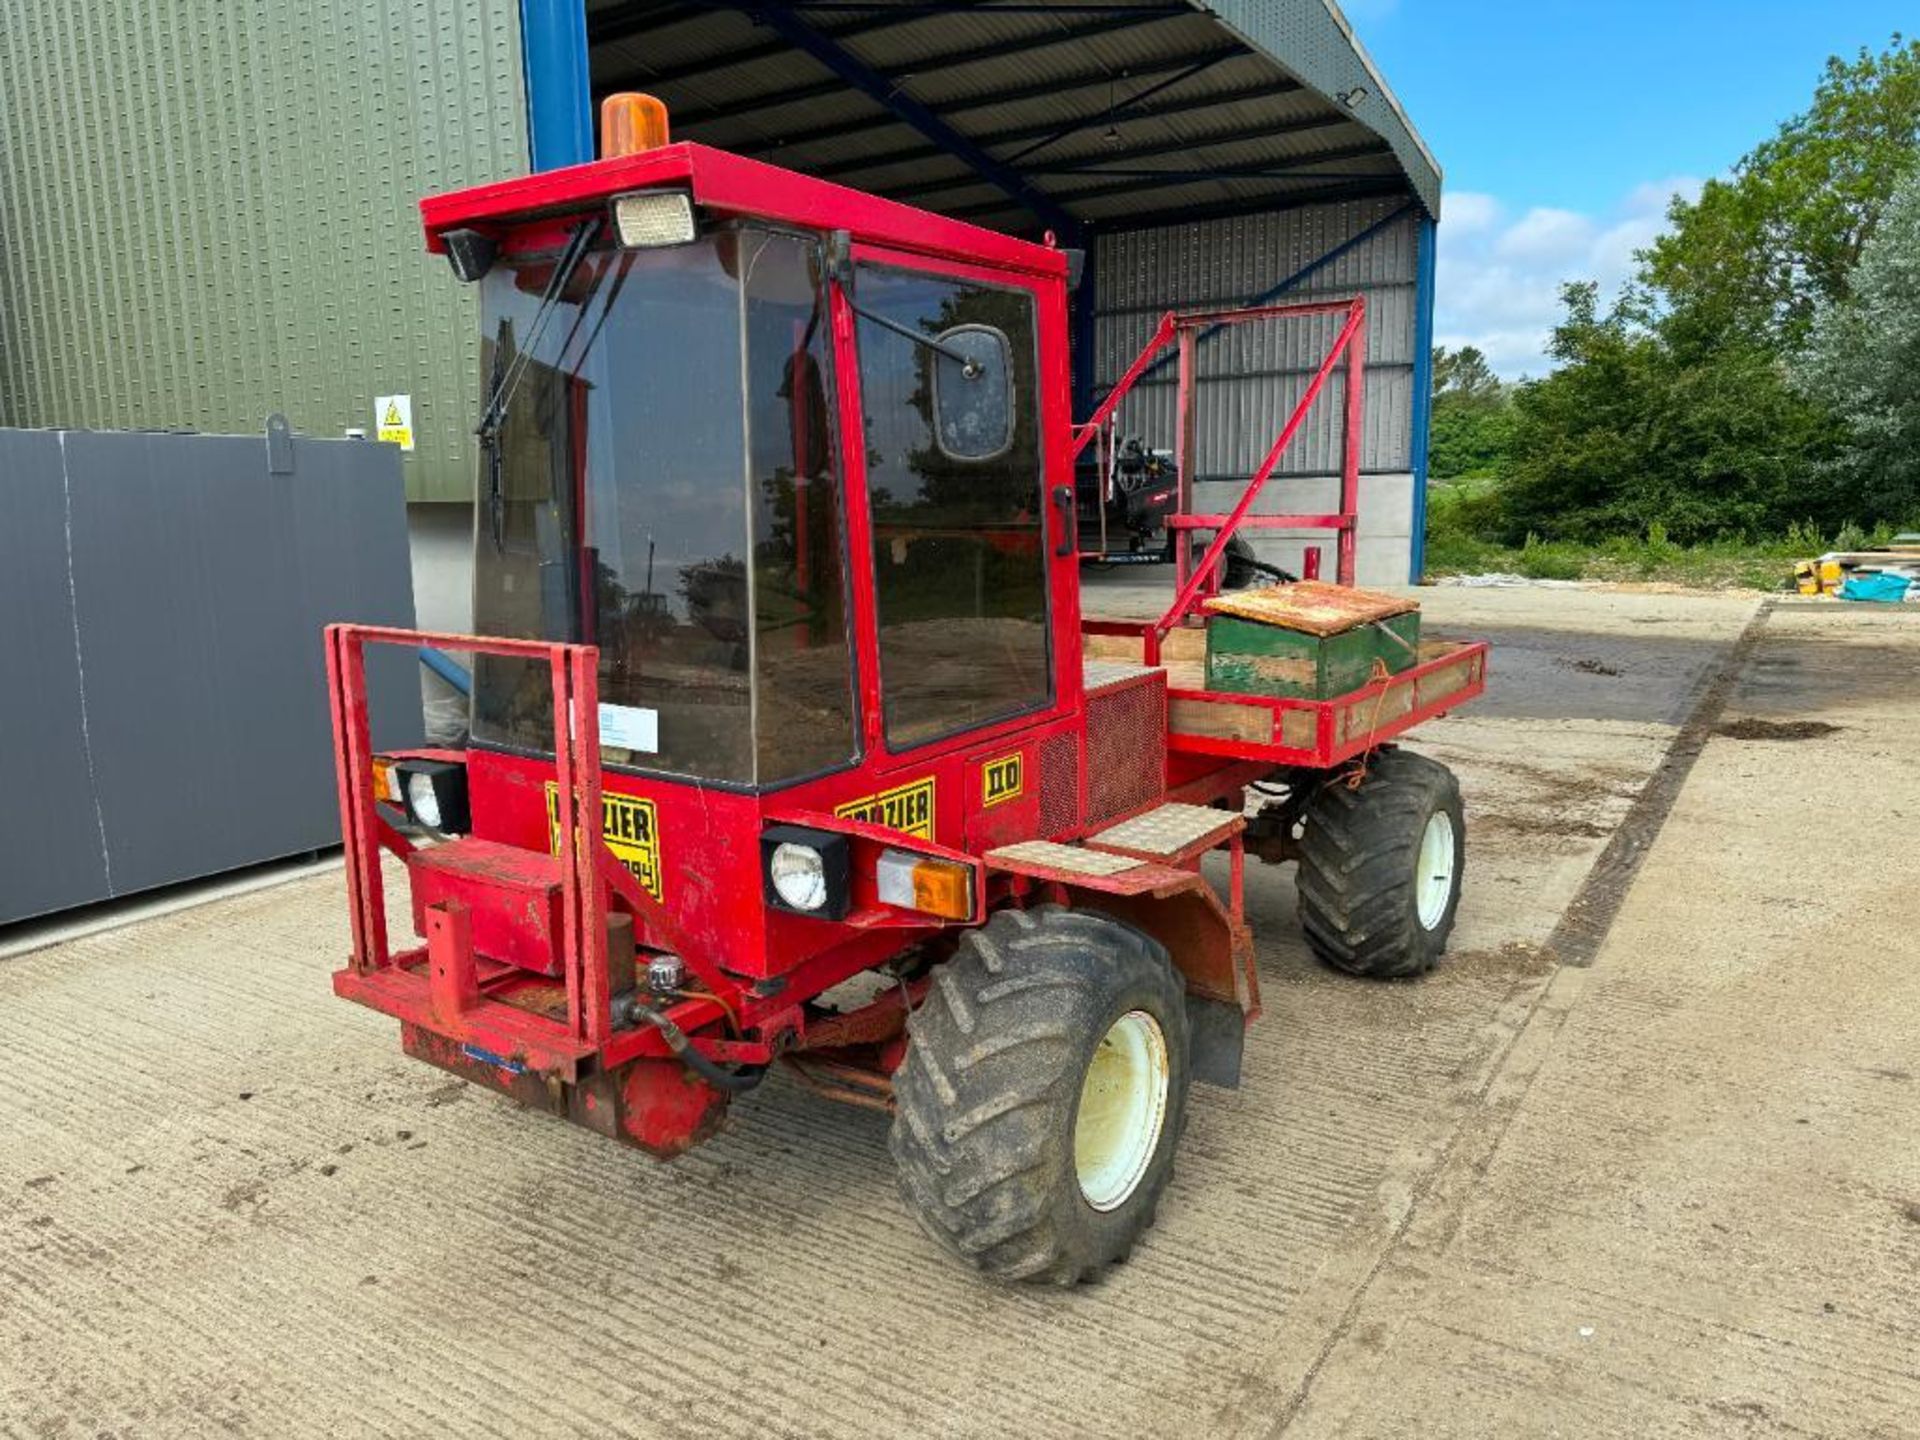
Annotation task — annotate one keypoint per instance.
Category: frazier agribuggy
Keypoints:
(803, 750)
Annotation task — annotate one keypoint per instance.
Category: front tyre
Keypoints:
(1042, 1095)
(1381, 866)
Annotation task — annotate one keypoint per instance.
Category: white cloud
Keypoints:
(1545, 236)
(1469, 212)
(1500, 278)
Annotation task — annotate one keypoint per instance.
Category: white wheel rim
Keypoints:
(1123, 1106)
(1433, 881)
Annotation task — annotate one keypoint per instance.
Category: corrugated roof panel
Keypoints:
(953, 61)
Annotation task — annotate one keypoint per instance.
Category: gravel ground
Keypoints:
(1673, 1193)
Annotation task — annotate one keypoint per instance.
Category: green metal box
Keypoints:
(1245, 657)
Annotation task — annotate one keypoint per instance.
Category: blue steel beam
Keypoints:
(553, 52)
(1388, 187)
(784, 19)
(1050, 39)
(1113, 115)
(1423, 296)
(1053, 86)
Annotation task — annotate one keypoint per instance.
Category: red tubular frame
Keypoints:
(390, 982)
(1193, 585)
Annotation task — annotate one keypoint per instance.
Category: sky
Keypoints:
(1565, 126)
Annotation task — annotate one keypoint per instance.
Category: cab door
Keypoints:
(970, 628)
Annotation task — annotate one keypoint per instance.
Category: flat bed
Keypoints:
(1285, 730)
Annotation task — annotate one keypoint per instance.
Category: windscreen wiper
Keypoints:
(493, 414)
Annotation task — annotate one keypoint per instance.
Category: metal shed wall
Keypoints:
(1251, 376)
(207, 213)
(166, 707)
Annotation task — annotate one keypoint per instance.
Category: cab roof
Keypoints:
(730, 186)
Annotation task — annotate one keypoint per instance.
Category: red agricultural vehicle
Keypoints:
(790, 742)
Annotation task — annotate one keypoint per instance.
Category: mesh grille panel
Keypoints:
(1126, 746)
(1059, 783)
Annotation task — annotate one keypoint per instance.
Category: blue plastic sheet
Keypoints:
(1880, 588)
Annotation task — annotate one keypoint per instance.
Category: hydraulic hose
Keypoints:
(734, 1081)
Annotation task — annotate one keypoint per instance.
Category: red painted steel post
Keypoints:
(1183, 455)
(1237, 875)
(453, 988)
(573, 834)
(361, 823)
(1355, 439)
(350, 836)
(595, 1025)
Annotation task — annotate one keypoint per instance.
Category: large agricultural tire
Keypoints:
(1043, 1094)
(1381, 867)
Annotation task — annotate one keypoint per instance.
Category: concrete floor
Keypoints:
(1676, 1193)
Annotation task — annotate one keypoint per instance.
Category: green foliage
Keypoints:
(1863, 362)
(1762, 372)
(1628, 434)
(1752, 258)
(1464, 378)
(1472, 416)
(1460, 543)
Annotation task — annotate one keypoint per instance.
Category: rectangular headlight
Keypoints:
(650, 218)
(435, 795)
(805, 871)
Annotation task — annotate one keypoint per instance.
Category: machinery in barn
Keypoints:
(790, 741)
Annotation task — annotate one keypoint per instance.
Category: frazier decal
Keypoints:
(908, 808)
(1002, 780)
(632, 831)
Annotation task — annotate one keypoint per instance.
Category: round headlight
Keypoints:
(422, 801)
(799, 876)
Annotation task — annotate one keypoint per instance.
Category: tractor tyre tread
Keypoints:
(1358, 860)
(985, 1100)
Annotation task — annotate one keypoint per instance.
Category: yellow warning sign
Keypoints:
(906, 808)
(632, 830)
(393, 419)
(1002, 780)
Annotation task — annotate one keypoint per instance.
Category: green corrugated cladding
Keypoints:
(207, 212)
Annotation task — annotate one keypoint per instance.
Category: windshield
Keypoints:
(666, 490)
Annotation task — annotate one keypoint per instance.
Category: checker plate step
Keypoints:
(1068, 858)
(1166, 831)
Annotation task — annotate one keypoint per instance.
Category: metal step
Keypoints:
(1168, 832)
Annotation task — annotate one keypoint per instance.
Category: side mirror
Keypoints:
(972, 393)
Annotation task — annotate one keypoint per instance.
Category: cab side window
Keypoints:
(959, 543)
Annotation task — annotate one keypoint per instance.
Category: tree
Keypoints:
(1751, 260)
(1862, 360)
(1464, 376)
(1627, 433)
(1472, 420)
(1677, 405)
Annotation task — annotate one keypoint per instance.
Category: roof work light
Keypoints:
(647, 219)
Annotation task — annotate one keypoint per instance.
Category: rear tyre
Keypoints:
(1042, 1095)
(1381, 867)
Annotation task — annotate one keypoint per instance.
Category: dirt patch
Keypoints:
(1516, 958)
(1587, 666)
(1754, 729)
(1541, 825)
